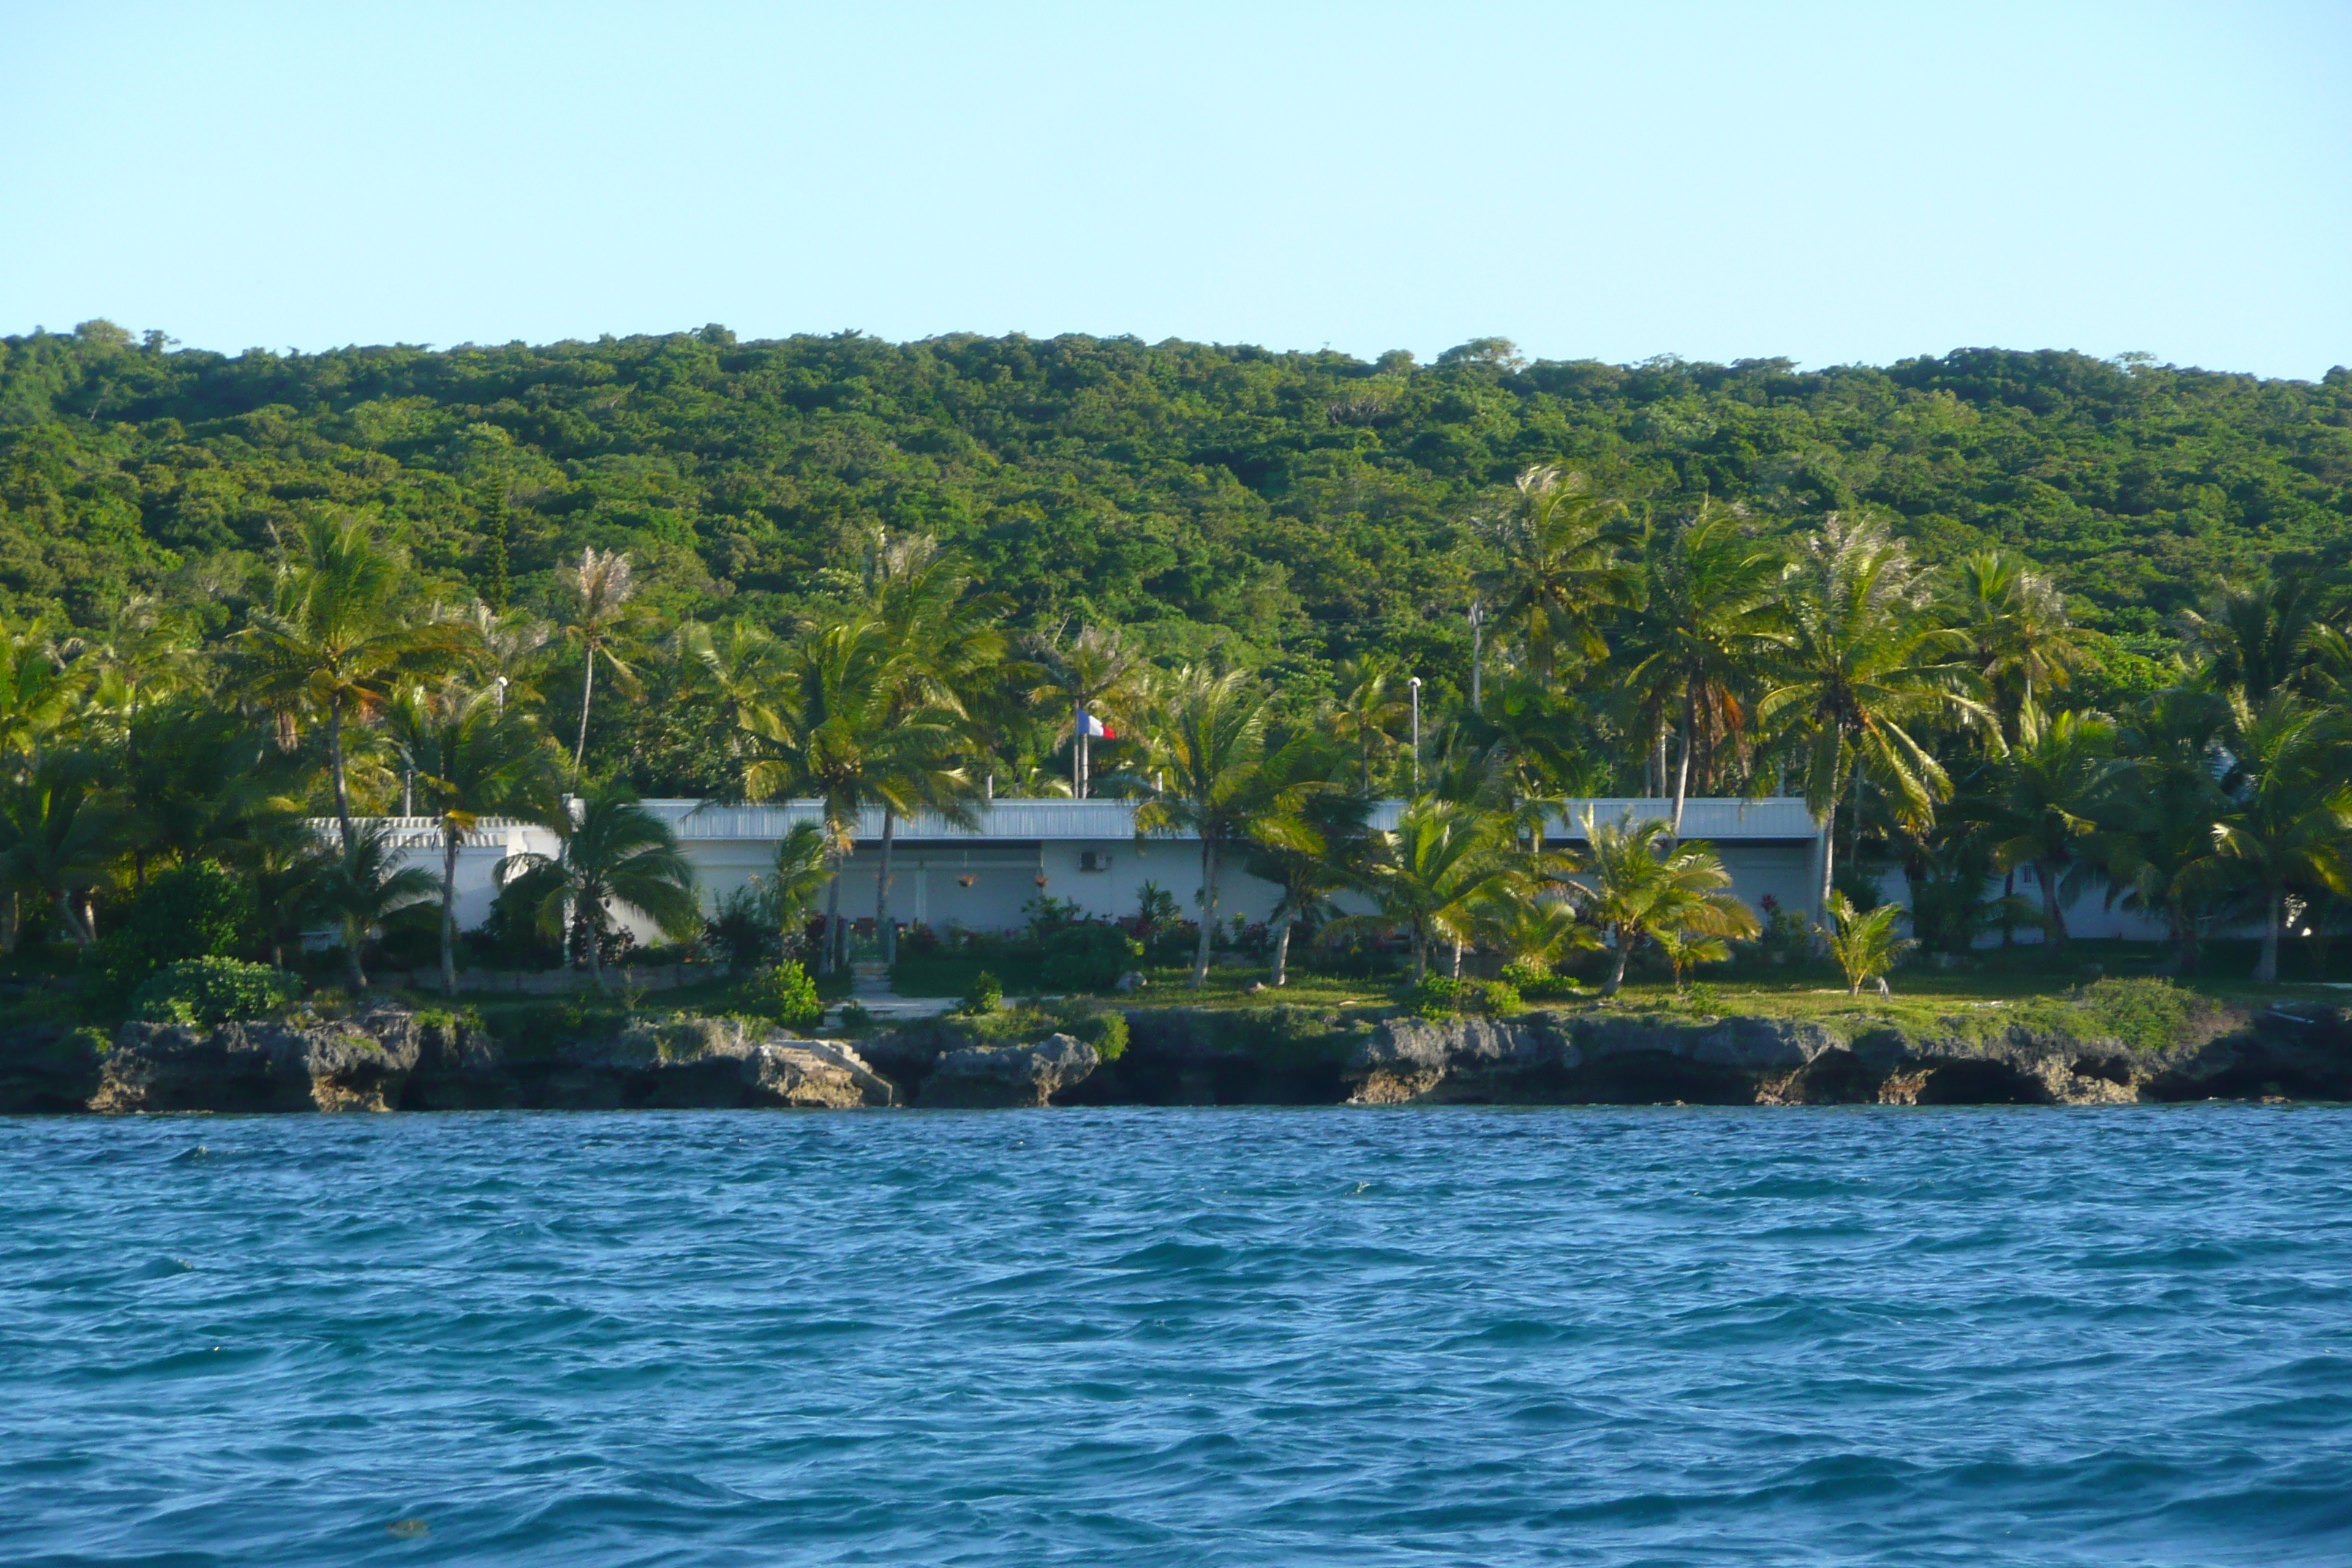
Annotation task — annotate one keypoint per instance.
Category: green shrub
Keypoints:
(854, 1019)
(1441, 996)
(201, 909)
(1434, 997)
(984, 997)
(209, 990)
(1540, 985)
(784, 995)
(2146, 1014)
(1105, 1031)
(1087, 957)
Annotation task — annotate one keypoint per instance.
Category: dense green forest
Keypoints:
(1304, 507)
(1995, 615)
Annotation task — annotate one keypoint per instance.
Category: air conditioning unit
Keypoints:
(1094, 859)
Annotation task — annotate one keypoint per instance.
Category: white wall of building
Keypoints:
(1086, 852)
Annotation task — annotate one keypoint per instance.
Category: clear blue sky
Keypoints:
(1827, 183)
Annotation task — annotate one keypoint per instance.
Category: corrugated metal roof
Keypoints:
(1777, 817)
(1710, 816)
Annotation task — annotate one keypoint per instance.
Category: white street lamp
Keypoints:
(1414, 686)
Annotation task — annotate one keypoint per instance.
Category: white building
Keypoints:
(1087, 851)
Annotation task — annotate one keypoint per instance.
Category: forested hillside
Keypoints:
(1306, 507)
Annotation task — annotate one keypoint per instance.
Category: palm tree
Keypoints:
(2289, 824)
(1859, 665)
(510, 651)
(1560, 567)
(1533, 924)
(948, 648)
(1432, 875)
(616, 855)
(2258, 635)
(1312, 867)
(364, 885)
(332, 638)
(2054, 784)
(1863, 941)
(1091, 676)
(2158, 850)
(37, 692)
(286, 866)
(1207, 736)
(602, 586)
(59, 835)
(1708, 621)
(473, 758)
(2018, 634)
(1638, 886)
(1368, 709)
(797, 873)
(835, 727)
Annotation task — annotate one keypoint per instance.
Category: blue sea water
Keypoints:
(1973, 1336)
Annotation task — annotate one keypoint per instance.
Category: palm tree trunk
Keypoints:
(1682, 770)
(352, 940)
(1829, 858)
(335, 764)
(1617, 970)
(832, 922)
(587, 690)
(1420, 956)
(1282, 955)
(591, 930)
(1208, 910)
(448, 907)
(2274, 907)
(2053, 918)
(1457, 971)
(884, 931)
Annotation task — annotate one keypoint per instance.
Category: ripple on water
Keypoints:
(1181, 1336)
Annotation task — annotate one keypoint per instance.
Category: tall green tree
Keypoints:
(1638, 886)
(1708, 622)
(2017, 633)
(364, 884)
(616, 856)
(948, 648)
(333, 641)
(2288, 828)
(1859, 668)
(1562, 567)
(600, 588)
(1432, 875)
(1325, 856)
(59, 834)
(474, 758)
(1093, 674)
(1206, 732)
(834, 728)
(2055, 781)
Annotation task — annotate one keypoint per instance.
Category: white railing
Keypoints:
(1110, 821)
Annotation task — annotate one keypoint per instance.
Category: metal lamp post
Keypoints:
(1413, 685)
(1477, 646)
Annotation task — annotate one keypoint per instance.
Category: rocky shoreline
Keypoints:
(389, 1059)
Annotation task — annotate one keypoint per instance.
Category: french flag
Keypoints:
(1090, 726)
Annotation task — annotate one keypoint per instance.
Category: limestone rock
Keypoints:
(352, 1065)
(992, 1077)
